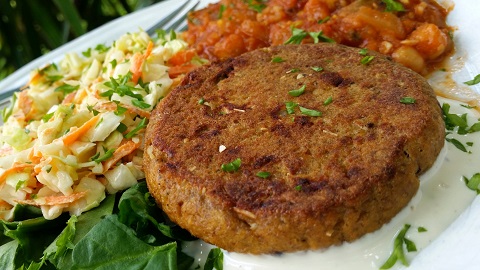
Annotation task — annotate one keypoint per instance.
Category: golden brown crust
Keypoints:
(333, 178)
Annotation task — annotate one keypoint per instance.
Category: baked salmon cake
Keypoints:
(292, 147)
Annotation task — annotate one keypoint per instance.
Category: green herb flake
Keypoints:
(263, 174)
(317, 69)
(398, 253)
(458, 144)
(87, 53)
(113, 63)
(290, 105)
(99, 158)
(257, 6)
(298, 188)
(122, 128)
(140, 104)
(469, 144)
(201, 101)
(363, 51)
(475, 80)
(319, 36)
(19, 185)
(277, 59)
(297, 36)
(310, 112)
(221, 10)
(393, 6)
(328, 101)
(232, 166)
(473, 183)
(468, 106)
(293, 70)
(140, 126)
(297, 92)
(421, 229)
(324, 20)
(407, 100)
(367, 59)
(67, 88)
(47, 116)
(101, 48)
(92, 110)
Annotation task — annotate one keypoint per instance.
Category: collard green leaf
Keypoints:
(112, 245)
(7, 255)
(214, 259)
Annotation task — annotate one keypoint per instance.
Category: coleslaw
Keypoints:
(75, 133)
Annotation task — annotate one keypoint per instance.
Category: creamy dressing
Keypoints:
(441, 198)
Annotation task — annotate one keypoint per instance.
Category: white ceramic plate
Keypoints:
(455, 248)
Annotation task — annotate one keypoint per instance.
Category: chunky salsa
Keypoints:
(413, 32)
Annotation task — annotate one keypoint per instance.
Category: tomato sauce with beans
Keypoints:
(416, 36)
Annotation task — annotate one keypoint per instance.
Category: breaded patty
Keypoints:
(292, 147)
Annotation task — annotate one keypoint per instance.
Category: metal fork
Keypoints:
(174, 21)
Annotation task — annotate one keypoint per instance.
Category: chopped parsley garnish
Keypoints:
(457, 144)
(421, 229)
(47, 116)
(122, 128)
(99, 158)
(299, 34)
(201, 101)
(393, 5)
(140, 104)
(317, 69)
(475, 80)
(398, 253)
(328, 101)
(473, 183)
(293, 70)
(363, 51)
(309, 112)
(257, 6)
(7, 111)
(101, 48)
(263, 175)
(67, 88)
(298, 188)
(297, 92)
(319, 36)
(367, 59)
(220, 12)
(20, 184)
(457, 122)
(468, 106)
(324, 20)
(277, 59)
(232, 166)
(290, 105)
(134, 131)
(87, 53)
(92, 110)
(407, 100)
(120, 110)
(113, 63)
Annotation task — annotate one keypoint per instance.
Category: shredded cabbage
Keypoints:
(76, 132)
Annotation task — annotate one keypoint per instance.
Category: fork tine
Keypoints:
(176, 20)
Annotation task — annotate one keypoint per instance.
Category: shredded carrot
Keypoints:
(137, 61)
(25, 103)
(123, 150)
(176, 71)
(69, 98)
(181, 57)
(54, 200)
(73, 135)
(17, 167)
(111, 106)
